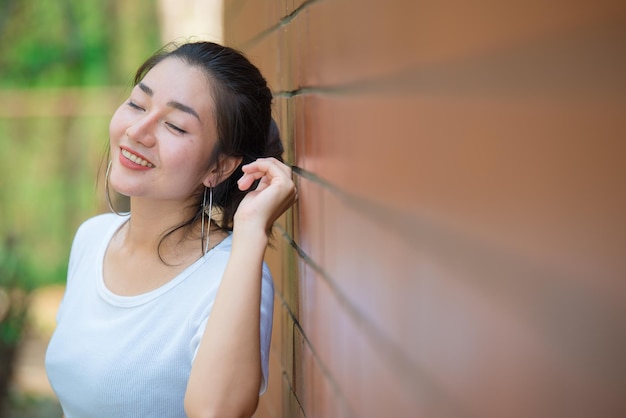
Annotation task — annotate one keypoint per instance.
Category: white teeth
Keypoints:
(136, 159)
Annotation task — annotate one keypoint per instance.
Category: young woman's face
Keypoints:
(163, 135)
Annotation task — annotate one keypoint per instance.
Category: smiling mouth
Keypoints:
(137, 160)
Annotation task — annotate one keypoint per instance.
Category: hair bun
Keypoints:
(274, 146)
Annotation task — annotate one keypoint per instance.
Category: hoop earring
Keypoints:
(206, 210)
(106, 192)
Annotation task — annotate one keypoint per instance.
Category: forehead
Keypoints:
(173, 79)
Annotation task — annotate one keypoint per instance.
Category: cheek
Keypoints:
(117, 126)
(190, 162)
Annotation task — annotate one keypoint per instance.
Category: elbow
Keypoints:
(227, 408)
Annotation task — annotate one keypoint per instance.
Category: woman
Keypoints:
(168, 311)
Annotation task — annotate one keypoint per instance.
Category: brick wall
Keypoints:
(459, 245)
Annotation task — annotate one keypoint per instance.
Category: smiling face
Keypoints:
(163, 135)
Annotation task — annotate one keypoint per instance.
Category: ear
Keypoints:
(224, 168)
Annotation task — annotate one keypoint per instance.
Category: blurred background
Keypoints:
(64, 68)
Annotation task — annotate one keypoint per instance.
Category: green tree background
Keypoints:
(64, 67)
(50, 160)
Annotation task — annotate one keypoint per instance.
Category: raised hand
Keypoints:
(274, 194)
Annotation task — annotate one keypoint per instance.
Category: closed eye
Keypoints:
(133, 105)
(175, 128)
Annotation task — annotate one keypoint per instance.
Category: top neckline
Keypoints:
(143, 298)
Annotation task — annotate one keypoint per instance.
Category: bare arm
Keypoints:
(226, 374)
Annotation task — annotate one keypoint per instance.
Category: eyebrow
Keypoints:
(146, 89)
(174, 104)
(184, 108)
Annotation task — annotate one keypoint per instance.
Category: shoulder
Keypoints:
(93, 231)
(99, 224)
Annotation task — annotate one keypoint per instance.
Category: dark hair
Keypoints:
(245, 127)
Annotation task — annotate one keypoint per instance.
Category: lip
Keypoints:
(131, 164)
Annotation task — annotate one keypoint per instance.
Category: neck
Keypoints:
(151, 220)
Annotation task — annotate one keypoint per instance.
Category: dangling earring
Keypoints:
(206, 210)
(106, 192)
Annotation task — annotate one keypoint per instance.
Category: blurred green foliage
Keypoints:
(74, 42)
(50, 160)
(13, 297)
(63, 66)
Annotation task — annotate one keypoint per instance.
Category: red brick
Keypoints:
(542, 189)
(245, 20)
(350, 40)
(463, 220)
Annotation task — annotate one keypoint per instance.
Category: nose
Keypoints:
(142, 131)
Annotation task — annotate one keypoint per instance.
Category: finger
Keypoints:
(245, 182)
(267, 165)
(263, 167)
(248, 179)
